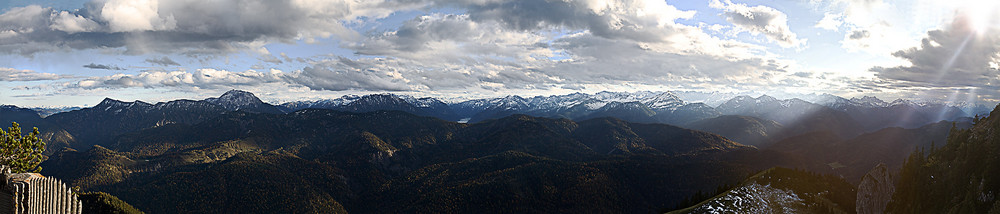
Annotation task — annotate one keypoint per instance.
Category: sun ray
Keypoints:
(981, 14)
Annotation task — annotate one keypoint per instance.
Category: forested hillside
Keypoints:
(962, 176)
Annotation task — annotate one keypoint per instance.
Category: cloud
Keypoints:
(344, 74)
(164, 61)
(182, 26)
(324, 75)
(955, 56)
(600, 60)
(73, 23)
(496, 45)
(637, 20)
(506, 45)
(201, 78)
(16, 75)
(443, 39)
(880, 27)
(136, 15)
(760, 20)
(830, 21)
(859, 34)
(102, 66)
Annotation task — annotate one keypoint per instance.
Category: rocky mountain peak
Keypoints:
(870, 101)
(235, 100)
(108, 104)
(902, 102)
(875, 190)
(238, 96)
(766, 99)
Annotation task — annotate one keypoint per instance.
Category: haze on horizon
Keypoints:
(76, 52)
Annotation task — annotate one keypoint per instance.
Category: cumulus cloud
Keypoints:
(830, 21)
(444, 39)
(201, 78)
(182, 26)
(504, 45)
(164, 61)
(770, 22)
(136, 15)
(497, 45)
(599, 60)
(102, 66)
(16, 75)
(958, 55)
(72, 23)
(638, 20)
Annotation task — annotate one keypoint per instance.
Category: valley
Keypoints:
(606, 152)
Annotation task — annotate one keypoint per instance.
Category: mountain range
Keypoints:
(606, 152)
(845, 117)
(783, 118)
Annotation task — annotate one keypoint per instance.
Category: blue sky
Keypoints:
(76, 52)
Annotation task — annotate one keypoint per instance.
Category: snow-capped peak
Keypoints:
(903, 102)
(827, 100)
(869, 101)
(766, 99)
(653, 100)
(665, 100)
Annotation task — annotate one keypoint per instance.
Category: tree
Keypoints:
(21, 153)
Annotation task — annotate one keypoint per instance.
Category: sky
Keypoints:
(77, 52)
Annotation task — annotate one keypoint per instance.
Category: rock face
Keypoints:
(875, 190)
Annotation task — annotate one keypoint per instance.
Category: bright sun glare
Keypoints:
(982, 14)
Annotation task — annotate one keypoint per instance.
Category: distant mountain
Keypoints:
(795, 115)
(708, 98)
(377, 102)
(319, 104)
(235, 100)
(45, 112)
(868, 101)
(483, 109)
(688, 113)
(767, 107)
(972, 109)
(630, 111)
(782, 190)
(659, 107)
(743, 129)
(874, 114)
(98, 125)
(53, 135)
(847, 117)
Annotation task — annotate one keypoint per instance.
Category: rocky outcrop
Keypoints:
(875, 190)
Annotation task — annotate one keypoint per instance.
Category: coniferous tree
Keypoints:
(21, 153)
